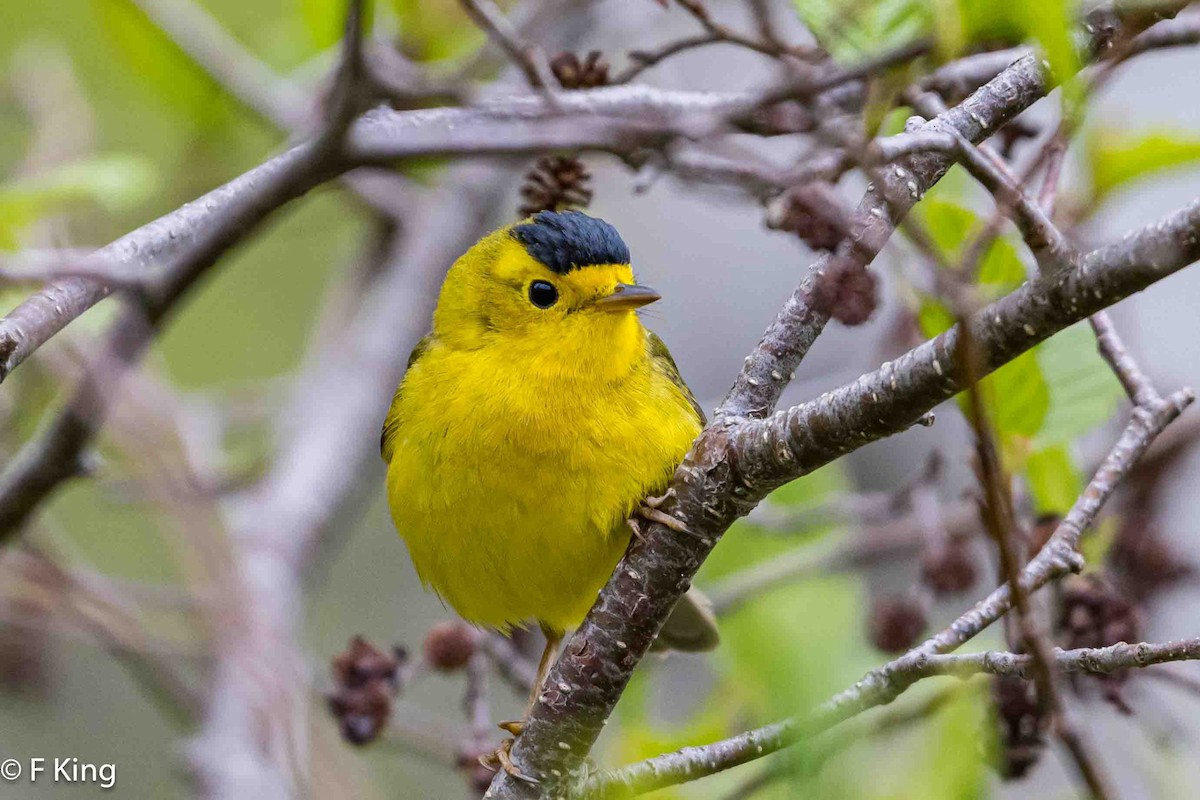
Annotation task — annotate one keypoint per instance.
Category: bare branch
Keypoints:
(692, 763)
(531, 60)
(785, 343)
(1139, 388)
(735, 463)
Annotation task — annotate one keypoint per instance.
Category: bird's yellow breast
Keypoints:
(513, 466)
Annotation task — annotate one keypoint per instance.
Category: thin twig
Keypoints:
(518, 671)
(692, 763)
(531, 60)
(997, 513)
(1139, 388)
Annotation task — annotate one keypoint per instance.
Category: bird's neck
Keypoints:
(595, 349)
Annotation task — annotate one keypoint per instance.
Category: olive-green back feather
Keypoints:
(666, 365)
(391, 423)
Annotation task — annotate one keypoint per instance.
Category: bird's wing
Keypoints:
(692, 627)
(391, 423)
(661, 357)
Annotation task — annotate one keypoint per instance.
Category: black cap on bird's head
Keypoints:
(567, 240)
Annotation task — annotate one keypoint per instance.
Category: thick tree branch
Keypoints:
(735, 463)
(883, 685)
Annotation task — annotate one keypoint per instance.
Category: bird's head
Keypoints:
(556, 279)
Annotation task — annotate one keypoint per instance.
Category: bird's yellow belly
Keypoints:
(514, 509)
(499, 548)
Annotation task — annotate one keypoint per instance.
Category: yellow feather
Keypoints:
(522, 438)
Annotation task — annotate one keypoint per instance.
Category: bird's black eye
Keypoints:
(543, 294)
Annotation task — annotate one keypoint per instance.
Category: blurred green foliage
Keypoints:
(118, 182)
(853, 30)
(1119, 158)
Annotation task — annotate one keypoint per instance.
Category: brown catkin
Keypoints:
(555, 183)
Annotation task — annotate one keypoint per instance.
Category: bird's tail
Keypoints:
(692, 626)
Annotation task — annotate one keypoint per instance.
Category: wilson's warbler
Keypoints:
(531, 423)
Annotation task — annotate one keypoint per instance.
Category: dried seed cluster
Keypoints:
(449, 645)
(555, 183)
(848, 293)
(897, 622)
(574, 72)
(365, 686)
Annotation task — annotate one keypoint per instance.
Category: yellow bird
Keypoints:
(531, 423)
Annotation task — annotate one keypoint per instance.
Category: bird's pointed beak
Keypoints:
(627, 296)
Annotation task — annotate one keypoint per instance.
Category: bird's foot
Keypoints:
(655, 502)
(501, 758)
(652, 514)
(636, 528)
(514, 726)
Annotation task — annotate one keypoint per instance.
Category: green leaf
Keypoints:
(1053, 479)
(952, 227)
(1083, 390)
(1050, 23)
(852, 29)
(434, 30)
(976, 21)
(1019, 396)
(960, 24)
(157, 61)
(1001, 267)
(1118, 158)
(893, 121)
(949, 225)
(933, 317)
(1017, 393)
(324, 21)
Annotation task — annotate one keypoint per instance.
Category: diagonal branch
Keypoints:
(54, 455)
(896, 190)
(618, 119)
(736, 462)
(531, 60)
